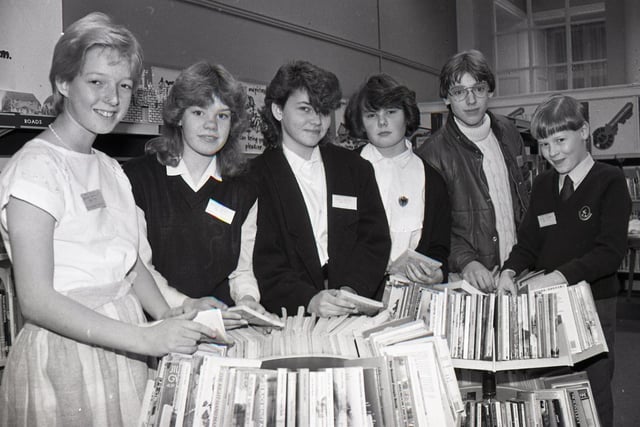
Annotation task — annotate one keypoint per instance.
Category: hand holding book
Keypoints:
(418, 268)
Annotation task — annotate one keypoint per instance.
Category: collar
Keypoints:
(478, 133)
(579, 173)
(182, 171)
(371, 153)
(296, 162)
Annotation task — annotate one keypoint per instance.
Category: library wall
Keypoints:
(253, 38)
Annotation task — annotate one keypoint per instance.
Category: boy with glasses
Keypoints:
(480, 156)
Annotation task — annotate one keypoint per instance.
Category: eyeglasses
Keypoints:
(460, 93)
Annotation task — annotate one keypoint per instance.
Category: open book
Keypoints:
(256, 318)
(212, 318)
(364, 305)
(399, 266)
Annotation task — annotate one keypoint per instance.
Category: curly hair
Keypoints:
(381, 91)
(93, 30)
(322, 87)
(470, 61)
(197, 85)
(556, 114)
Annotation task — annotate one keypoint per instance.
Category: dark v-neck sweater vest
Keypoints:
(192, 249)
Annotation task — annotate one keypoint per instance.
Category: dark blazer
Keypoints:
(435, 241)
(285, 257)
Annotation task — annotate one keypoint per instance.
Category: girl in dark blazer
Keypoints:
(414, 194)
(321, 223)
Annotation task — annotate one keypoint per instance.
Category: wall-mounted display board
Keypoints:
(612, 113)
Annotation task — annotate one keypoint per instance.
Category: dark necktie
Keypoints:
(567, 188)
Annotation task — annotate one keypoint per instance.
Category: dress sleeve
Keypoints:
(34, 175)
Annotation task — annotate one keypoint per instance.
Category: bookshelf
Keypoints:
(446, 311)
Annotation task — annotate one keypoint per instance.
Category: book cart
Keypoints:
(491, 336)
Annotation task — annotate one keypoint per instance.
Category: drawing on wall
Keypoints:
(252, 141)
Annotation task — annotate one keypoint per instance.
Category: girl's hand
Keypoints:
(233, 320)
(204, 303)
(328, 303)
(249, 301)
(177, 334)
(424, 274)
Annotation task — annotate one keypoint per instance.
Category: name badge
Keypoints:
(220, 211)
(344, 202)
(520, 161)
(93, 200)
(547, 219)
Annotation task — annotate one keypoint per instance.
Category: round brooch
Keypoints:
(403, 200)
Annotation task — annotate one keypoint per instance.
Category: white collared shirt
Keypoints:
(182, 171)
(400, 177)
(578, 173)
(242, 281)
(312, 181)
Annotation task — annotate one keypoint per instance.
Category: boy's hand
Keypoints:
(479, 276)
(506, 283)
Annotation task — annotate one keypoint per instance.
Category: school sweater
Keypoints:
(584, 237)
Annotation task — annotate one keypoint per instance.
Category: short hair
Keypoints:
(378, 92)
(556, 114)
(197, 85)
(469, 61)
(322, 87)
(93, 30)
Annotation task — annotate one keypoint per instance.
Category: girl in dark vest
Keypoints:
(199, 210)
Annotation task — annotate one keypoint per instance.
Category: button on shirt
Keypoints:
(312, 181)
(399, 177)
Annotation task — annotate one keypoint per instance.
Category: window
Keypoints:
(550, 45)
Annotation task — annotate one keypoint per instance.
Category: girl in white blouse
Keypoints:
(414, 195)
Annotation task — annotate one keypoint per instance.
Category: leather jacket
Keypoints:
(459, 161)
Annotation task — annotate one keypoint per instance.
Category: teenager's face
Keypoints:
(205, 129)
(386, 129)
(98, 97)
(564, 150)
(302, 127)
(471, 109)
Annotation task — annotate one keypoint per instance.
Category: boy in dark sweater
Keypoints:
(575, 227)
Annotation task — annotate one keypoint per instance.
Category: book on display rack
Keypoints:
(298, 387)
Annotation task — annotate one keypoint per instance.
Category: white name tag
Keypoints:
(547, 219)
(220, 211)
(93, 200)
(344, 202)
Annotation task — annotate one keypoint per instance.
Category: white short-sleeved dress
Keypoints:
(49, 379)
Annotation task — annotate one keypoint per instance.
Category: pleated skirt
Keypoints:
(50, 380)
